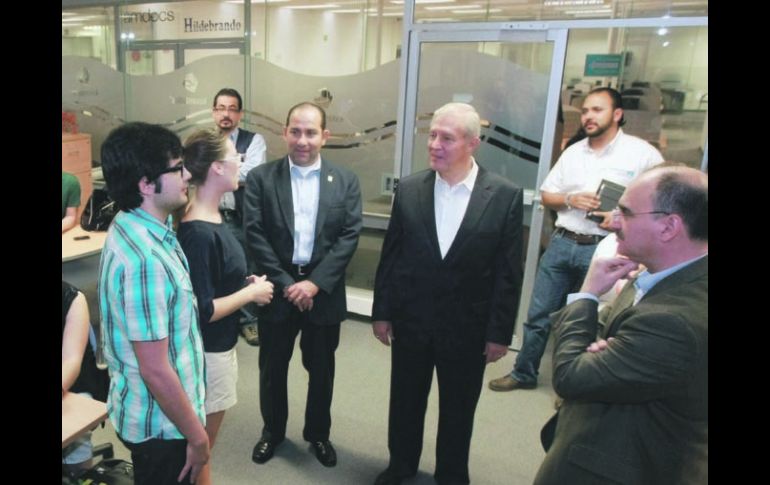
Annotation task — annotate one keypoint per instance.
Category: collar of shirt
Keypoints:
(163, 232)
(606, 149)
(646, 280)
(304, 171)
(468, 182)
(234, 135)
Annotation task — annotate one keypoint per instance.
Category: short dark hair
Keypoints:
(201, 149)
(676, 193)
(615, 97)
(133, 151)
(306, 104)
(228, 92)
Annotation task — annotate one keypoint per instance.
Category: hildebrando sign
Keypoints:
(163, 23)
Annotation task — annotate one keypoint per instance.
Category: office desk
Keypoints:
(78, 415)
(72, 249)
(80, 263)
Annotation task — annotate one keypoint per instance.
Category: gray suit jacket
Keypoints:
(269, 230)
(467, 298)
(637, 412)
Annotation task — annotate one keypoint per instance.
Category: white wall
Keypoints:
(314, 43)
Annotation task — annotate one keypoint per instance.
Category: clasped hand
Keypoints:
(263, 289)
(301, 294)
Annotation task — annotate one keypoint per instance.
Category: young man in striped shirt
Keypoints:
(152, 341)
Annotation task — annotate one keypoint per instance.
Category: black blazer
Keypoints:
(269, 231)
(469, 297)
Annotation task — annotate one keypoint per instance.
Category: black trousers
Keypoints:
(460, 375)
(317, 343)
(158, 462)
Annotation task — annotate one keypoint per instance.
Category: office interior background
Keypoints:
(380, 68)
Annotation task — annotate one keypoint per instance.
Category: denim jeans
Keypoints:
(561, 271)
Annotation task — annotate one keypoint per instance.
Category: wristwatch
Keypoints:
(566, 200)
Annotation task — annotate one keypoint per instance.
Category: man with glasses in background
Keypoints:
(152, 340)
(606, 153)
(634, 377)
(227, 112)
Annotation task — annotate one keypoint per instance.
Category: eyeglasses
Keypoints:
(627, 213)
(223, 110)
(179, 167)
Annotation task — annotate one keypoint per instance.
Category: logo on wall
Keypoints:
(148, 16)
(83, 76)
(324, 98)
(190, 82)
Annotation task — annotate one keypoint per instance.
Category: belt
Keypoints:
(301, 269)
(579, 238)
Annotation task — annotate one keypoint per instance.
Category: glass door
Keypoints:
(512, 77)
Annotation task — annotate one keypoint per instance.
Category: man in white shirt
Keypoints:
(446, 293)
(227, 111)
(570, 189)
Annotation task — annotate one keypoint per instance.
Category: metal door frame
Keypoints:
(510, 32)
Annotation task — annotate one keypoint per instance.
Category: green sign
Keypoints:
(603, 65)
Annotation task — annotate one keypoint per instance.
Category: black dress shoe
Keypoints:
(389, 477)
(263, 451)
(325, 453)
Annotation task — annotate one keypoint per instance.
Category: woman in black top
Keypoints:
(217, 270)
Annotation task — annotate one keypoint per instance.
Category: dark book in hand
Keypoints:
(609, 193)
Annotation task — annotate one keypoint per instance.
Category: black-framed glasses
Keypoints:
(627, 213)
(179, 167)
(222, 110)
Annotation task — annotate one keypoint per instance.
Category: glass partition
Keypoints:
(89, 32)
(163, 62)
(506, 10)
(663, 77)
(507, 84)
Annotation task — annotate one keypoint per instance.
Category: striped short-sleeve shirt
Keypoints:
(145, 294)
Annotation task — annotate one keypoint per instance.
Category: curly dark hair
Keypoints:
(133, 151)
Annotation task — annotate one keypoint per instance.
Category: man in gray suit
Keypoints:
(635, 392)
(446, 293)
(302, 220)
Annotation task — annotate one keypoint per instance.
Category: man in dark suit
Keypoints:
(446, 293)
(302, 221)
(635, 405)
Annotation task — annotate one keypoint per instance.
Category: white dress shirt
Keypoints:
(450, 204)
(255, 155)
(581, 169)
(305, 187)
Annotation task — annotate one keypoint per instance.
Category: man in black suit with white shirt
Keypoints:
(302, 221)
(446, 293)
